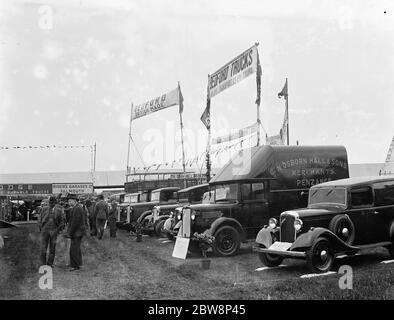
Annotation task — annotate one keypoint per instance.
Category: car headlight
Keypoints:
(193, 215)
(172, 214)
(272, 223)
(298, 224)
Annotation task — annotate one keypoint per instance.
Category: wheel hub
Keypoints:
(323, 254)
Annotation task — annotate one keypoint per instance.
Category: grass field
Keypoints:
(122, 268)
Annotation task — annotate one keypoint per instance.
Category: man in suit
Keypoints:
(75, 231)
(101, 214)
(50, 222)
(112, 219)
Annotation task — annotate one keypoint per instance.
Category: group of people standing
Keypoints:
(78, 217)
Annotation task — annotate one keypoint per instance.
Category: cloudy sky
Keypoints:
(69, 71)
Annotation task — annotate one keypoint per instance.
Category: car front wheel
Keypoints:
(320, 256)
(227, 241)
(270, 260)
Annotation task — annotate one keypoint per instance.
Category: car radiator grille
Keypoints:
(186, 223)
(287, 231)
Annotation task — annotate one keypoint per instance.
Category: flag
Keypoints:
(206, 116)
(283, 93)
(180, 99)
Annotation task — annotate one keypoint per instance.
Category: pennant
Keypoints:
(283, 93)
(206, 116)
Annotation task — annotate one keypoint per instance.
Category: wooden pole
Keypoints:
(128, 148)
(287, 111)
(258, 100)
(208, 158)
(181, 124)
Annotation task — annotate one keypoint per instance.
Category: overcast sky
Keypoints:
(70, 78)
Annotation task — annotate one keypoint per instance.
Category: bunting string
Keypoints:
(45, 147)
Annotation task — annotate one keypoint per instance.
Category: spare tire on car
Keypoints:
(343, 228)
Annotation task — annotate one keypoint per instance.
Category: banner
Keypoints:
(233, 72)
(25, 189)
(166, 100)
(236, 134)
(75, 188)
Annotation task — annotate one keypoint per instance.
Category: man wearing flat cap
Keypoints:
(51, 222)
(75, 231)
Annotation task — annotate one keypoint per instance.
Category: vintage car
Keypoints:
(342, 217)
(259, 183)
(165, 218)
(125, 216)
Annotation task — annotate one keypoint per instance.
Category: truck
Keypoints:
(140, 204)
(259, 183)
(154, 222)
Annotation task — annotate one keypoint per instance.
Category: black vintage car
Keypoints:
(342, 217)
(259, 183)
(170, 214)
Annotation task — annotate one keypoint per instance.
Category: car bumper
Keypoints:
(291, 254)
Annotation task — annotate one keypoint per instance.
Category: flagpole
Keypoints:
(208, 158)
(128, 150)
(181, 124)
(287, 111)
(258, 82)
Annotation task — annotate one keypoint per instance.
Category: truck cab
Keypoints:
(257, 184)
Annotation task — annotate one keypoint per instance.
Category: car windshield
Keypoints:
(183, 196)
(226, 192)
(330, 196)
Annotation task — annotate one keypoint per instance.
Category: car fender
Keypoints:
(392, 230)
(264, 237)
(144, 215)
(168, 224)
(164, 217)
(306, 240)
(228, 222)
(178, 225)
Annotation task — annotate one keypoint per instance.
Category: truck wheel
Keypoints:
(227, 241)
(270, 260)
(320, 256)
(343, 227)
(159, 229)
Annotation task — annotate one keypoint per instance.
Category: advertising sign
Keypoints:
(75, 188)
(233, 72)
(164, 101)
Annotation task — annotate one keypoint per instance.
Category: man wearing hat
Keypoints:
(101, 213)
(51, 222)
(75, 231)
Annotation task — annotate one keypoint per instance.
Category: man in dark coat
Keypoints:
(92, 219)
(50, 222)
(75, 231)
(101, 213)
(112, 219)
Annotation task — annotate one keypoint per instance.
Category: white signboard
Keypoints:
(233, 72)
(180, 248)
(166, 100)
(75, 188)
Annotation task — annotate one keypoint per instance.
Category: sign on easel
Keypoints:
(180, 248)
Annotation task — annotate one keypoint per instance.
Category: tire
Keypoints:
(320, 256)
(343, 227)
(227, 241)
(270, 260)
(159, 229)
